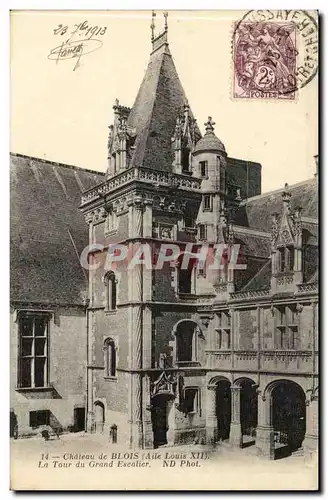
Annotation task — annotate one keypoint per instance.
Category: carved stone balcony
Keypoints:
(250, 295)
(246, 360)
(287, 361)
(308, 287)
(145, 175)
(219, 359)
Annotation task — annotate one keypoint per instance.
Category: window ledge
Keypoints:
(111, 232)
(188, 363)
(34, 389)
(112, 379)
(109, 312)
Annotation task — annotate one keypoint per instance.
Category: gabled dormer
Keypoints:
(286, 247)
(121, 139)
(183, 141)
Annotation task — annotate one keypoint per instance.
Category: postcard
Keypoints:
(164, 250)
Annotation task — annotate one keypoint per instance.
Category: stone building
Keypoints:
(173, 353)
(178, 355)
(48, 295)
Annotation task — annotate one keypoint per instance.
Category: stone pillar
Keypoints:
(170, 422)
(236, 438)
(211, 419)
(148, 219)
(136, 329)
(264, 431)
(311, 440)
(147, 427)
(91, 333)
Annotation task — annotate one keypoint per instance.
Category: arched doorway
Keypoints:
(223, 409)
(248, 410)
(161, 405)
(288, 415)
(99, 409)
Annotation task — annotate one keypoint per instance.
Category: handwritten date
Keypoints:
(75, 46)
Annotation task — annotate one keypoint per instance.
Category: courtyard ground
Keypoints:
(83, 461)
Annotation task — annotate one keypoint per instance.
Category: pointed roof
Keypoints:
(210, 142)
(159, 102)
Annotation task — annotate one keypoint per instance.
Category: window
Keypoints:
(189, 217)
(111, 222)
(207, 202)
(110, 291)
(186, 341)
(110, 358)
(191, 395)
(223, 331)
(33, 351)
(40, 417)
(286, 259)
(286, 328)
(202, 232)
(203, 168)
(184, 282)
(185, 160)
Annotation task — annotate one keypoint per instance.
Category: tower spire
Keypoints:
(160, 39)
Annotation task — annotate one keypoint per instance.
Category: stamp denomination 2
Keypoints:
(275, 54)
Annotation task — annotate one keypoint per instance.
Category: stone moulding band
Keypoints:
(142, 174)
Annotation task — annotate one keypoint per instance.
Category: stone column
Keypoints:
(311, 439)
(136, 333)
(90, 335)
(264, 431)
(146, 415)
(211, 419)
(171, 422)
(236, 438)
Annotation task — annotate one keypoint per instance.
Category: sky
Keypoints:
(63, 115)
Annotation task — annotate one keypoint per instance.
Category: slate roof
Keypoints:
(159, 102)
(209, 143)
(257, 212)
(261, 280)
(44, 207)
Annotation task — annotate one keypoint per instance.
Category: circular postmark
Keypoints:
(275, 53)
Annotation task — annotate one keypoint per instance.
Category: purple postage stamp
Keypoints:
(265, 60)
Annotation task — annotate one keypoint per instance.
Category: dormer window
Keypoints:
(185, 161)
(286, 259)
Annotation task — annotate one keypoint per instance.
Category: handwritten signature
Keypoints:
(75, 47)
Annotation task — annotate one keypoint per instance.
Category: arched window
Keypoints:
(110, 358)
(110, 291)
(186, 341)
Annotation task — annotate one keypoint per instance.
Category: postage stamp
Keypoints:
(274, 55)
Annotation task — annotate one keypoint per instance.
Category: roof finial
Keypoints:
(209, 125)
(152, 26)
(165, 14)
(286, 196)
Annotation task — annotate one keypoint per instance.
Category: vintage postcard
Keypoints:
(164, 250)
